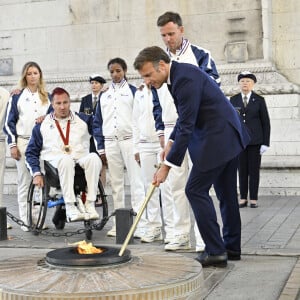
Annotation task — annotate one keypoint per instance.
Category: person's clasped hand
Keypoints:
(15, 153)
(104, 160)
(263, 149)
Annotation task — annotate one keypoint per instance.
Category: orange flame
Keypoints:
(87, 248)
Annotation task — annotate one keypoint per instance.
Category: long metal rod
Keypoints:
(137, 218)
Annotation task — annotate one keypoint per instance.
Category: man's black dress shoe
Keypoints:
(233, 255)
(212, 260)
(253, 205)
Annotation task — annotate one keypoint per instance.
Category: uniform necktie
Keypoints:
(245, 101)
(94, 102)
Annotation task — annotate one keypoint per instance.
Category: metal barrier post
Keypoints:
(3, 224)
(137, 219)
(124, 220)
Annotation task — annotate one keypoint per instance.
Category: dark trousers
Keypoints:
(92, 145)
(224, 179)
(249, 167)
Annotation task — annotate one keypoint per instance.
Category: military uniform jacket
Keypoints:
(255, 116)
(87, 106)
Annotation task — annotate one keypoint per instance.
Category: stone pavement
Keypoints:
(270, 265)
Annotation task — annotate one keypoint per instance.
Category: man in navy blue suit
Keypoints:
(210, 129)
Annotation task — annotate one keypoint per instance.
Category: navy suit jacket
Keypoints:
(86, 105)
(255, 116)
(207, 125)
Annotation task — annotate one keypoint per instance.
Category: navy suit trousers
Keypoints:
(224, 179)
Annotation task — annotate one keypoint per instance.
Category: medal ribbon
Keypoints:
(64, 138)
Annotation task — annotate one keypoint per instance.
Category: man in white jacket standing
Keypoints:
(181, 50)
(147, 149)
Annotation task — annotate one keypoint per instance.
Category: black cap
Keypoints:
(246, 74)
(97, 77)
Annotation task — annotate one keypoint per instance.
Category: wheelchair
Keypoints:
(39, 200)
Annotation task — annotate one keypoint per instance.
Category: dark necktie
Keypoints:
(245, 101)
(94, 102)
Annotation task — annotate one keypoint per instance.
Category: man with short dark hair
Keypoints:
(176, 207)
(180, 49)
(63, 139)
(210, 129)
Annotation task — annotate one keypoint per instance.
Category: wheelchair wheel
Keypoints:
(101, 201)
(36, 207)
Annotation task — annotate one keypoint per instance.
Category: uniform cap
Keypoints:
(247, 74)
(97, 77)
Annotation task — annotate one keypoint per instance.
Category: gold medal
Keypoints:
(67, 149)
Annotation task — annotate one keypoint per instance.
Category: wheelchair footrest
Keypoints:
(52, 203)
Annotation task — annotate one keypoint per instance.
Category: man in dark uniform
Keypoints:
(88, 106)
(89, 102)
(254, 114)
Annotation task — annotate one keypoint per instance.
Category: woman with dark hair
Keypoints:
(23, 110)
(113, 130)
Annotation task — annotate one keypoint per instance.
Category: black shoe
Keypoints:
(233, 255)
(244, 204)
(253, 205)
(212, 260)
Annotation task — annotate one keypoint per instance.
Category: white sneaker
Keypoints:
(139, 233)
(80, 204)
(24, 228)
(168, 240)
(112, 232)
(181, 242)
(73, 214)
(152, 235)
(45, 227)
(8, 226)
(90, 210)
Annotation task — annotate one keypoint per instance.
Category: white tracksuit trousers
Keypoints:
(149, 153)
(118, 154)
(65, 165)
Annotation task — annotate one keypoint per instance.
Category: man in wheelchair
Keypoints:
(63, 140)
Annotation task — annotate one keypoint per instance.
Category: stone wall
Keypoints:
(75, 37)
(286, 38)
(71, 39)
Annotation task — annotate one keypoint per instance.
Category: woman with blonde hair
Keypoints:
(22, 112)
